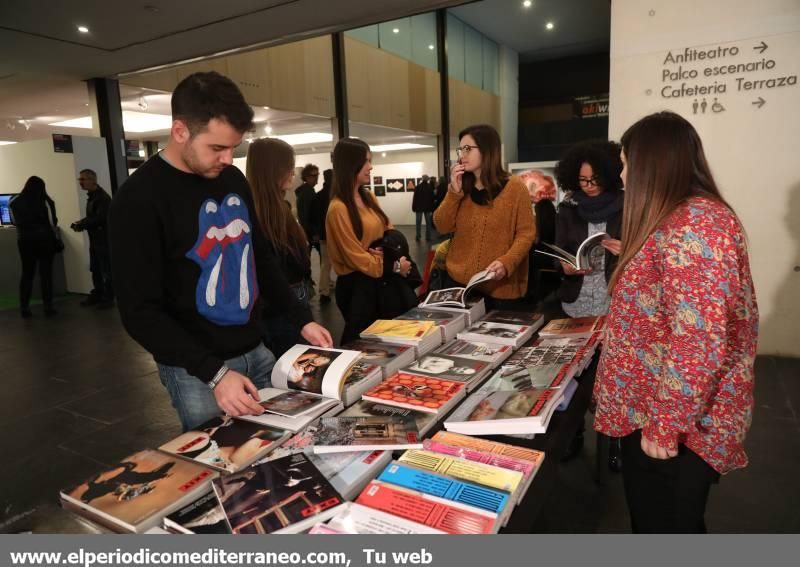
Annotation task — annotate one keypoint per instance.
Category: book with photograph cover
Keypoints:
(526, 318)
(203, 516)
(423, 421)
(287, 495)
(292, 409)
(500, 333)
(389, 357)
(419, 393)
(493, 354)
(226, 444)
(448, 367)
(135, 494)
(448, 322)
(574, 327)
(456, 296)
(347, 434)
(582, 260)
(316, 370)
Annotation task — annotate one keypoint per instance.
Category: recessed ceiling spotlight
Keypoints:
(431, 47)
(83, 29)
(549, 25)
(396, 30)
(527, 4)
(383, 154)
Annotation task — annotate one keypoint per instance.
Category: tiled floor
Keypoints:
(79, 394)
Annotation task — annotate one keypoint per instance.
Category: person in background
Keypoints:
(319, 210)
(34, 214)
(489, 213)
(440, 192)
(590, 173)
(192, 265)
(95, 223)
(270, 169)
(354, 221)
(305, 195)
(676, 377)
(542, 191)
(423, 204)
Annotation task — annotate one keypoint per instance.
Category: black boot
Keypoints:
(615, 454)
(574, 448)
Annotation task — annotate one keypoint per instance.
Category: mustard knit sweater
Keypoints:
(349, 254)
(502, 230)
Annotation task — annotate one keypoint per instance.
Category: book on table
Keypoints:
(292, 410)
(287, 495)
(348, 434)
(358, 519)
(497, 333)
(449, 323)
(446, 515)
(390, 358)
(424, 336)
(487, 446)
(136, 493)
(530, 319)
(582, 259)
(418, 393)
(494, 354)
(573, 327)
(474, 309)
(203, 516)
(470, 372)
(226, 444)
(423, 421)
(456, 296)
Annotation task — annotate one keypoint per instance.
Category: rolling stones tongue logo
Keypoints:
(227, 288)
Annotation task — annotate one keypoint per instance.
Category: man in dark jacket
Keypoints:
(305, 195)
(423, 204)
(319, 210)
(96, 224)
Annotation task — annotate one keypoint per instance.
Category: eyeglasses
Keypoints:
(464, 150)
(593, 180)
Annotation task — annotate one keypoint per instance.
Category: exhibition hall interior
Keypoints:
(89, 89)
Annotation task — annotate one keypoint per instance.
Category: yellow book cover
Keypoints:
(479, 473)
(485, 446)
(399, 328)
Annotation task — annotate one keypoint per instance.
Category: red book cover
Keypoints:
(425, 510)
(421, 393)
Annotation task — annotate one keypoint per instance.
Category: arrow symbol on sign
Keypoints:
(761, 48)
(759, 103)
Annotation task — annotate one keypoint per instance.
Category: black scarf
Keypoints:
(600, 208)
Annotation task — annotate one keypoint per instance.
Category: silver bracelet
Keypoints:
(218, 377)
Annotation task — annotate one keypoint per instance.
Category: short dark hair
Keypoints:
(91, 172)
(602, 155)
(203, 96)
(308, 170)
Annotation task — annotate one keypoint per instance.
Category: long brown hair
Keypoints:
(269, 161)
(493, 176)
(349, 156)
(666, 166)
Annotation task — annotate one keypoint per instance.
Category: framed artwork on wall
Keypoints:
(395, 185)
(377, 179)
(380, 190)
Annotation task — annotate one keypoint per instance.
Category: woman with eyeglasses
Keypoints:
(489, 213)
(675, 380)
(354, 221)
(589, 173)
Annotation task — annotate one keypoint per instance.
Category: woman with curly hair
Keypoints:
(589, 172)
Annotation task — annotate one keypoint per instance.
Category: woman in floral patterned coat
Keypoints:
(675, 380)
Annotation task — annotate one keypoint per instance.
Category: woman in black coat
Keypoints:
(36, 241)
(590, 173)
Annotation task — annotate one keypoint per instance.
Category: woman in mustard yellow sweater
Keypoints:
(353, 222)
(489, 213)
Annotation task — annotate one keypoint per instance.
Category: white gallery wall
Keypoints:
(731, 69)
(60, 173)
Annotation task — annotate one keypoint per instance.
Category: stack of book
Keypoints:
(424, 421)
(448, 323)
(468, 371)
(577, 327)
(422, 335)
(493, 354)
(417, 393)
(390, 358)
(473, 309)
(511, 328)
(348, 434)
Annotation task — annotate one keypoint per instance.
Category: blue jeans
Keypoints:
(428, 224)
(194, 400)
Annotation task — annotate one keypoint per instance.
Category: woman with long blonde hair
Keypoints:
(270, 171)
(675, 379)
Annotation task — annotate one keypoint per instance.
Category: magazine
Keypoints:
(420, 393)
(422, 420)
(582, 260)
(456, 296)
(316, 370)
(499, 333)
(492, 353)
(449, 368)
(343, 434)
(390, 358)
(292, 409)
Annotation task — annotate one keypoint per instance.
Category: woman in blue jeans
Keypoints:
(270, 171)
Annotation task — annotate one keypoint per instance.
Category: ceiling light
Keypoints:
(527, 3)
(396, 147)
(268, 130)
(141, 153)
(132, 121)
(383, 154)
(431, 47)
(6, 142)
(306, 138)
(83, 29)
(549, 25)
(396, 30)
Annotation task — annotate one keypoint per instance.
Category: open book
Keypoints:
(456, 296)
(582, 259)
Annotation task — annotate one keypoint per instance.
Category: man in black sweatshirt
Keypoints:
(190, 262)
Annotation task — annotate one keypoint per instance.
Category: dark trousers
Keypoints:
(428, 223)
(36, 253)
(357, 297)
(100, 265)
(665, 496)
